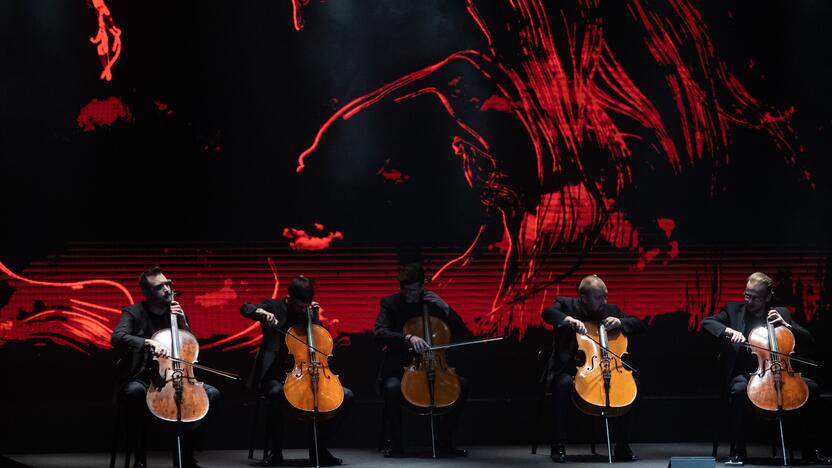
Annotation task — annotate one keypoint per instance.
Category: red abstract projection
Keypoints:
(554, 72)
(102, 113)
(59, 300)
(107, 40)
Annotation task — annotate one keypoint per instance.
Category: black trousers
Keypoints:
(803, 422)
(134, 394)
(278, 406)
(562, 388)
(393, 400)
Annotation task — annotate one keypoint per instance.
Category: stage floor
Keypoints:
(651, 455)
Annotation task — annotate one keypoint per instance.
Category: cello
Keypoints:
(310, 386)
(175, 394)
(604, 383)
(429, 382)
(775, 386)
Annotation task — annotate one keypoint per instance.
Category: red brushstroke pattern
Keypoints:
(107, 39)
(102, 113)
(300, 240)
(390, 174)
(562, 82)
(54, 301)
(297, 13)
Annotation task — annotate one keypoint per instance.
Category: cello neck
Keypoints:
(310, 337)
(426, 325)
(772, 342)
(175, 352)
(602, 337)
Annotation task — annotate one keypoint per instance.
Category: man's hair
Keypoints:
(152, 271)
(301, 288)
(411, 273)
(760, 278)
(589, 282)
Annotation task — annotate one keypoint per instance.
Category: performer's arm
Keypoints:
(384, 332)
(717, 324)
(258, 312)
(554, 314)
(630, 325)
(122, 337)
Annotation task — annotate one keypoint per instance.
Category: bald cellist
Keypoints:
(567, 316)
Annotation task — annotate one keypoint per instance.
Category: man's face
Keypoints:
(298, 306)
(412, 292)
(594, 298)
(756, 297)
(158, 290)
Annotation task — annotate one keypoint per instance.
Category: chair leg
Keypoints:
(267, 432)
(253, 431)
(538, 417)
(114, 445)
(383, 429)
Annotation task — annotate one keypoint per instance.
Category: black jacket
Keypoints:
(137, 323)
(733, 315)
(273, 349)
(565, 344)
(388, 331)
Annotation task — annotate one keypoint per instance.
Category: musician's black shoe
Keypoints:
(448, 450)
(737, 458)
(393, 452)
(139, 464)
(273, 459)
(623, 453)
(393, 449)
(190, 462)
(816, 457)
(558, 453)
(327, 459)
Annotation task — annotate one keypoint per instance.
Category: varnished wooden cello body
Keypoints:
(603, 385)
(429, 382)
(775, 387)
(311, 387)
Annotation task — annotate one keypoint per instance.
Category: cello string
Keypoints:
(609, 351)
(794, 358)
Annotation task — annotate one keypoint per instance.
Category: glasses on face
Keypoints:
(161, 286)
(753, 298)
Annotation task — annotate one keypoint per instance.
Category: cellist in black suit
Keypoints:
(276, 317)
(567, 315)
(733, 324)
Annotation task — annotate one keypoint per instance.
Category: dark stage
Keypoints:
(511, 147)
(650, 456)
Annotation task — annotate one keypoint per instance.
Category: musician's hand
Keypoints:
(576, 324)
(158, 349)
(734, 336)
(432, 298)
(612, 323)
(418, 344)
(175, 308)
(266, 316)
(776, 319)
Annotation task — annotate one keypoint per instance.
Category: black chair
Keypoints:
(725, 408)
(546, 396)
(119, 426)
(259, 402)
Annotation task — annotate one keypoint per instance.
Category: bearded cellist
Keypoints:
(132, 338)
(567, 316)
(396, 309)
(733, 324)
